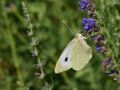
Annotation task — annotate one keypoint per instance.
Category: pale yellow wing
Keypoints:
(64, 62)
(80, 53)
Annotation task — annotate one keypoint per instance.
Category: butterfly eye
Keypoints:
(66, 59)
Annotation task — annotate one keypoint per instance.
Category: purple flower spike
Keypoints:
(92, 27)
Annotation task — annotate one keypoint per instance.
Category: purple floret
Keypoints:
(83, 4)
(88, 23)
(98, 48)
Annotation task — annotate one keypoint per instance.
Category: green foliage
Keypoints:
(16, 64)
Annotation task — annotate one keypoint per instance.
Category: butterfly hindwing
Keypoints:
(80, 54)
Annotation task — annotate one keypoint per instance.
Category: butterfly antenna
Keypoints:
(64, 22)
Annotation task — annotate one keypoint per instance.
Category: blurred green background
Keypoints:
(16, 64)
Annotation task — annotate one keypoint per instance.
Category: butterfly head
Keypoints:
(78, 35)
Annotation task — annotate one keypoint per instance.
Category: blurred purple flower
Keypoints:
(107, 64)
(88, 23)
(98, 38)
(83, 4)
(86, 27)
(98, 48)
(107, 61)
(84, 21)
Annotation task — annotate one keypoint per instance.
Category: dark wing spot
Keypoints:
(66, 59)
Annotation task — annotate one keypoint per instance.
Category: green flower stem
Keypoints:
(31, 34)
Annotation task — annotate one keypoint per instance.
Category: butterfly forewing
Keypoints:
(80, 54)
(64, 62)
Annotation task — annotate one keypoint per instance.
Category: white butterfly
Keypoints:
(76, 55)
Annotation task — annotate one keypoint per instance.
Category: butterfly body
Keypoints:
(76, 55)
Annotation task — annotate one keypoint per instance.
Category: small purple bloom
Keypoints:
(86, 5)
(107, 64)
(83, 4)
(107, 61)
(101, 48)
(98, 48)
(84, 21)
(87, 27)
(90, 6)
(88, 23)
(97, 38)
(94, 37)
(91, 22)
